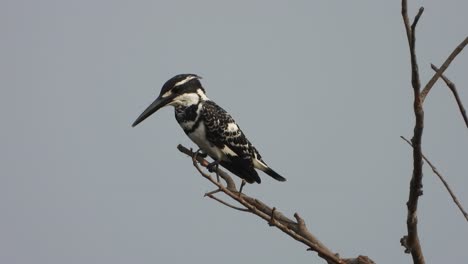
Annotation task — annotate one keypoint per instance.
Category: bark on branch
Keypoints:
(411, 240)
(444, 66)
(293, 228)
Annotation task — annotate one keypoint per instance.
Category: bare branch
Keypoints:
(416, 19)
(410, 34)
(226, 203)
(295, 229)
(404, 14)
(434, 169)
(444, 66)
(452, 88)
(231, 185)
(212, 192)
(412, 239)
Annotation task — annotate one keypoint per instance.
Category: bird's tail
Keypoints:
(274, 175)
(239, 168)
(261, 165)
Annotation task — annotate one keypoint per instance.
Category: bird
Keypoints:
(210, 127)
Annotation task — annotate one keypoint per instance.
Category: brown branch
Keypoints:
(229, 181)
(452, 88)
(411, 241)
(416, 20)
(410, 34)
(226, 203)
(434, 169)
(295, 229)
(212, 192)
(444, 66)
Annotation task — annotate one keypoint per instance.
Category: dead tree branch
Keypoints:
(444, 66)
(411, 241)
(295, 229)
(436, 172)
(452, 88)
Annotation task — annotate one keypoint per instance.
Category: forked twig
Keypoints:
(444, 66)
(212, 192)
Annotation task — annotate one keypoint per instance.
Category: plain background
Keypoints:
(322, 89)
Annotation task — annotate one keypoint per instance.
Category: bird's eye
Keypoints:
(176, 89)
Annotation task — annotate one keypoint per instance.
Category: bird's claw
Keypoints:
(202, 154)
(199, 153)
(213, 166)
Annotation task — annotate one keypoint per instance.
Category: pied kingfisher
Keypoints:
(210, 127)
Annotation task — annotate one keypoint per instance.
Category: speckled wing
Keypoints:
(224, 133)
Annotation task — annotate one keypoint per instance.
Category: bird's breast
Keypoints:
(198, 136)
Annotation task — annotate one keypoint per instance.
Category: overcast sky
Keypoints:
(321, 88)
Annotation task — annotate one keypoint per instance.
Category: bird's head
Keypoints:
(180, 90)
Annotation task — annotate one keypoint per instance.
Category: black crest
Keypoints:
(191, 84)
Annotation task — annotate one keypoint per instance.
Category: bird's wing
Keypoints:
(224, 133)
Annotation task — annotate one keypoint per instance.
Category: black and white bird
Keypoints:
(210, 127)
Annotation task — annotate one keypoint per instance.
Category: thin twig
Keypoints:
(444, 66)
(452, 88)
(416, 19)
(411, 241)
(227, 204)
(434, 169)
(212, 192)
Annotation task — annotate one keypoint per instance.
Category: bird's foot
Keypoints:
(213, 166)
(242, 186)
(201, 153)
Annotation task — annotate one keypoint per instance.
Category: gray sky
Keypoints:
(322, 88)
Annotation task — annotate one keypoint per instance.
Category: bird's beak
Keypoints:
(155, 106)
